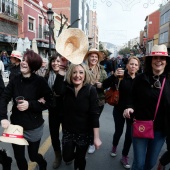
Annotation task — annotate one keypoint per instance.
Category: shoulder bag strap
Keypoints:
(160, 94)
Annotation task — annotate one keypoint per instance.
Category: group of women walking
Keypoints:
(74, 97)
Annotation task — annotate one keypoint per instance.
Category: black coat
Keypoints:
(32, 88)
(144, 100)
(124, 89)
(14, 70)
(81, 112)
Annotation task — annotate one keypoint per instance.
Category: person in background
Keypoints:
(55, 113)
(80, 113)
(108, 66)
(92, 59)
(128, 77)
(118, 63)
(43, 69)
(1, 68)
(28, 112)
(5, 59)
(15, 58)
(142, 106)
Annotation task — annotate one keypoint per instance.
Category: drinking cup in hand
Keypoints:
(19, 99)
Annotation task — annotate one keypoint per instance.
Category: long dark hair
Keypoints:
(53, 57)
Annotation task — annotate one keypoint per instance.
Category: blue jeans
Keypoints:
(146, 151)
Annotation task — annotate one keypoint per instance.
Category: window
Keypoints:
(40, 28)
(165, 17)
(163, 37)
(31, 24)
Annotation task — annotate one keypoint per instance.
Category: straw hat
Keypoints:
(13, 134)
(94, 50)
(16, 54)
(73, 45)
(159, 50)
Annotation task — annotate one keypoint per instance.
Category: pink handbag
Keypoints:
(145, 129)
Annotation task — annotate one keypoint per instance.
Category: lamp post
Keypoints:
(50, 24)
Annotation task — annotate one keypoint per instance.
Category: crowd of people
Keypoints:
(74, 95)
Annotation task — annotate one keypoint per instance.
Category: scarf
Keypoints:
(51, 79)
(95, 74)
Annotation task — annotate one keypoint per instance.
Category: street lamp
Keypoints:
(50, 22)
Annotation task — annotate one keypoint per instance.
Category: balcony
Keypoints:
(11, 11)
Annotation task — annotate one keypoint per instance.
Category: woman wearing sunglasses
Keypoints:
(142, 106)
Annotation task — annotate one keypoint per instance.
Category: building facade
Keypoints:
(164, 31)
(11, 24)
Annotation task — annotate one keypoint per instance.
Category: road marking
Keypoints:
(42, 150)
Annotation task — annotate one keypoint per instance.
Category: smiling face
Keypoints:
(24, 67)
(93, 59)
(78, 76)
(158, 64)
(55, 64)
(132, 66)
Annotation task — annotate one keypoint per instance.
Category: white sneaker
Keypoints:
(91, 149)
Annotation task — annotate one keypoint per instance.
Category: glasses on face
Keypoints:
(157, 83)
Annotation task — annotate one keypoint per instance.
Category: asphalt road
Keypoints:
(100, 160)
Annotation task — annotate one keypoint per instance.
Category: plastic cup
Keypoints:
(19, 99)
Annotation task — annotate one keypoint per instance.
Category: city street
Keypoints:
(100, 160)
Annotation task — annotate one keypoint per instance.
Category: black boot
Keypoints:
(5, 160)
(43, 165)
(41, 162)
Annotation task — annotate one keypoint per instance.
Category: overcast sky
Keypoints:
(122, 20)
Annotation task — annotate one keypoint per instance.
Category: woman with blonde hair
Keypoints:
(98, 74)
(80, 113)
(127, 78)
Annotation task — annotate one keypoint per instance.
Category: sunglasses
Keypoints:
(157, 83)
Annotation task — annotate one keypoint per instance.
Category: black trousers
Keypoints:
(19, 153)
(72, 151)
(55, 120)
(119, 125)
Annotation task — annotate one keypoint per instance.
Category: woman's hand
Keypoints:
(23, 106)
(127, 112)
(97, 142)
(63, 66)
(42, 100)
(5, 123)
(99, 85)
(119, 72)
(63, 63)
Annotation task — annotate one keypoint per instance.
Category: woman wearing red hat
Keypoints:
(142, 106)
(15, 59)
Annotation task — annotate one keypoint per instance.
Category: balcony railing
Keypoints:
(11, 11)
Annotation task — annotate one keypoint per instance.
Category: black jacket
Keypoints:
(144, 100)
(124, 89)
(32, 88)
(81, 112)
(14, 70)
